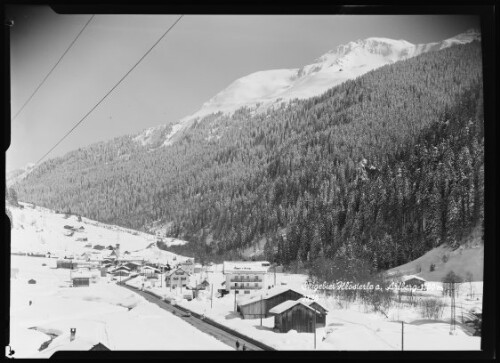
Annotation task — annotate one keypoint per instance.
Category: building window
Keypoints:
(247, 292)
(256, 284)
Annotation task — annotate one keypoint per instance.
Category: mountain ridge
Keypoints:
(260, 90)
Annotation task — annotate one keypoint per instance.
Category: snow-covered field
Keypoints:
(351, 326)
(102, 312)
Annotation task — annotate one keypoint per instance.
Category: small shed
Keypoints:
(253, 308)
(413, 281)
(294, 315)
(80, 279)
(202, 285)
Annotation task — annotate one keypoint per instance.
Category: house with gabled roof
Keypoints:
(177, 278)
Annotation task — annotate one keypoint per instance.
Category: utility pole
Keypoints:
(212, 297)
(315, 330)
(260, 309)
(402, 335)
(234, 300)
(274, 275)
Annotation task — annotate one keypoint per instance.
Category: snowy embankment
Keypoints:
(101, 313)
(349, 326)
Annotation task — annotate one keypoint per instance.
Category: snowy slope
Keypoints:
(469, 257)
(16, 175)
(261, 90)
(40, 230)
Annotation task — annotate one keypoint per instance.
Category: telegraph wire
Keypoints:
(111, 90)
(54, 67)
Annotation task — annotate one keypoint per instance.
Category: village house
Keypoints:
(148, 271)
(245, 276)
(188, 266)
(131, 265)
(260, 304)
(123, 271)
(177, 278)
(295, 315)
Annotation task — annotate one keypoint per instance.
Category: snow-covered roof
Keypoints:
(268, 294)
(177, 269)
(410, 277)
(81, 274)
(244, 266)
(121, 268)
(307, 301)
(284, 306)
(149, 268)
(63, 343)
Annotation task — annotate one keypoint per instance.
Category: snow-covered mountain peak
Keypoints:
(263, 89)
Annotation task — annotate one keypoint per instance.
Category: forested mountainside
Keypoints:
(381, 168)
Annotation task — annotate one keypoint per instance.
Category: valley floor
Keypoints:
(101, 313)
(349, 325)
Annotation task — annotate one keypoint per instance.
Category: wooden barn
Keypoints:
(321, 317)
(294, 315)
(253, 308)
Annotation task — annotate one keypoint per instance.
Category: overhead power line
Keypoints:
(111, 90)
(54, 67)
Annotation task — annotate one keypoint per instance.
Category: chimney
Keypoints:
(72, 332)
(117, 250)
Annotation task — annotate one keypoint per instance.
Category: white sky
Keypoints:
(200, 56)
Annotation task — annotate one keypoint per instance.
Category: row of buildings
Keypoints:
(290, 308)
